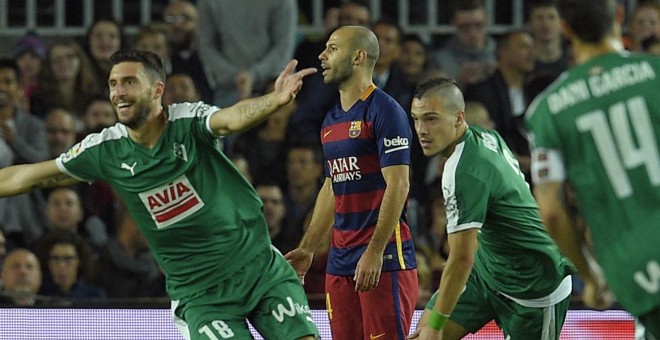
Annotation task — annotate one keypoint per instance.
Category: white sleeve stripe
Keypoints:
(464, 226)
(60, 165)
(396, 149)
(208, 124)
(449, 185)
(547, 166)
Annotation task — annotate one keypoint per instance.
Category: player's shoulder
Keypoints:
(95, 140)
(111, 133)
(479, 148)
(184, 110)
(476, 137)
(380, 102)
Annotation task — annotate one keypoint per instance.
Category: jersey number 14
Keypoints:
(617, 148)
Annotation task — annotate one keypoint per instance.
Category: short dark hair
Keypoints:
(590, 20)
(414, 37)
(151, 61)
(62, 236)
(307, 143)
(432, 83)
(10, 64)
(391, 23)
(107, 19)
(504, 39)
(96, 97)
(540, 4)
(466, 5)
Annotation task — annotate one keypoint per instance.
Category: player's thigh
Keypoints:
(199, 321)
(520, 322)
(387, 309)
(220, 312)
(343, 307)
(473, 309)
(283, 311)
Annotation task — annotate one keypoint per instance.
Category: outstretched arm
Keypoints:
(250, 112)
(22, 178)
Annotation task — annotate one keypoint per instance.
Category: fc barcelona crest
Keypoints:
(355, 129)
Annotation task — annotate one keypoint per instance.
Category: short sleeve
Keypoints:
(393, 134)
(541, 126)
(81, 161)
(547, 161)
(466, 197)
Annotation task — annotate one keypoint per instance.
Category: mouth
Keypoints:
(325, 69)
(425, 143)
(122, 107)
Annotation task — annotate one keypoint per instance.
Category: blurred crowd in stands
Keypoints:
(77, 245)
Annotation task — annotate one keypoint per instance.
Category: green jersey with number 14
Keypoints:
(201, 218)
(597, 127)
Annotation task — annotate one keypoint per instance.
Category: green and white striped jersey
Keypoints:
(484, 188)
(202, 219)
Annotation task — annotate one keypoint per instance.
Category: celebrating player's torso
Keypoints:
(200, 224)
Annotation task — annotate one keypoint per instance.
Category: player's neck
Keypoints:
(447, 152)
(150, 131)
(351, 90)
(586, 51)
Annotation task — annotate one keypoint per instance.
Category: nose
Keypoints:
(419, 127)
(23, 271)
(117, 92)
(322, 56)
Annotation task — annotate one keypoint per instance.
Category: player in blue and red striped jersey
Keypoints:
(371, 282)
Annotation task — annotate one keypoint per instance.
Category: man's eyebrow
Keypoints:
(122, 78)
(428, 113)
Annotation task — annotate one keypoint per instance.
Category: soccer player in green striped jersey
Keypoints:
(202, 219)
(597, 127)
(502, 263)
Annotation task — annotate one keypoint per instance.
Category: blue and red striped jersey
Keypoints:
(357, 143)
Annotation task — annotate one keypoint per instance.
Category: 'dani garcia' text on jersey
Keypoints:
(599, 84)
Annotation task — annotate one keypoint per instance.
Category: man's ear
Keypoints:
(460, 118)
(360, 57)
(159, 89)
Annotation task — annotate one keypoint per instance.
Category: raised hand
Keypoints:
(288, 83)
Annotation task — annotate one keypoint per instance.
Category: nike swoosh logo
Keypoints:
(327, 133)
(372, 337)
